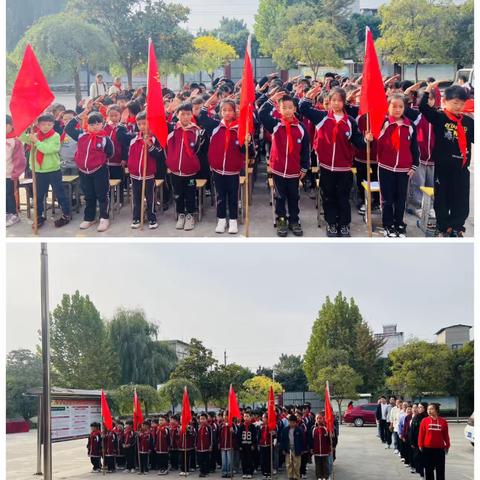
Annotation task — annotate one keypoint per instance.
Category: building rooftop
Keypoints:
(452, 326)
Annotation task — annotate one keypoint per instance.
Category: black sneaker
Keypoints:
(135, 224)
(401, 231)
(282, 227)
(332, 231)
(62, 221)
(389, 232)
(296, 229)
(152, 225)
(344, 231)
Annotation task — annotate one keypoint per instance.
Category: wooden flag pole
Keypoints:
(271, 454)
(369, 184)
(103, 454)
(231, 445)
(33, 155)
(331, 453)
(138, 451)
(144, 176)
(247, 188)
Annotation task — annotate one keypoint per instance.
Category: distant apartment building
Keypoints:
(182, 349)
(392, 338)
(455, 336)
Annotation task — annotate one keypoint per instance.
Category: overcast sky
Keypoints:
(207, 14)
(256, 301)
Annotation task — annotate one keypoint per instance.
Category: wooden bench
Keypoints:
(201, 186)
(72, 184)
(426, 223)
(159, 183)
(374, 188)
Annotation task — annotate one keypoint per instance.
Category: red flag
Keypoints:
(329, 418)
(137, 412)
(31, 94)
(233, 408)
(271, 414)
(186, 417)
(106, 415)
(373, 100)
(247, 98)
(157, 122)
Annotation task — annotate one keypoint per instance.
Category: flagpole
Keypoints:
(247, 206)
(144, 176)
(33, 154)
(271, 454)
(369, 183)
(103, 453)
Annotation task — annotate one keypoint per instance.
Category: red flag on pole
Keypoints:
(233, 408)
(106, 415)
(186, 417)
(247, 98)
(271, 414)
(329, 417)
(373, 100)
(157, 122)
(31, 94)
(137, 412)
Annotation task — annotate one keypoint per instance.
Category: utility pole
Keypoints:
(225, 357)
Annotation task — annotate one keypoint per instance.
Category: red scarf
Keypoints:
(227, 134)
(335, 128)
(288, 129)
(41, 137)
(396, 137)
(93, 137)
(461, 136)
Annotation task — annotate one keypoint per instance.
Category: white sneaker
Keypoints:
(12, 219)
(221, 225)
(86, 225)
(431, 213)
(103, 225)
(189, 222)
(233, 227)
(395, 452)
(179, 226)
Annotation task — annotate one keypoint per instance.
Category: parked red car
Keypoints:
(361, 415)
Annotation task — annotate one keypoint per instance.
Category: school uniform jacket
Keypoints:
(426, 141)
(285, 161)
(265, 436)
(187, 439)
(204, 440)
(225, 157)
(128, 438)
(121, 141)
(174, 437)
(361, 153)
(247, 435)
(94, 444)
(145, 441)
(182, 148)
(136, 158)
(320, 441)
(226, 439)
(111, 444)
(334, 141)
(162, 439)
(403, 158)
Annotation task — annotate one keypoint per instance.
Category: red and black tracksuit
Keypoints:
(397, 154)
(334, 145)
(265, 443)
(184, 164)
(452, 175)
(247, 439)
(186, 448)
(433, 441)
(289, 157)
(174, 446)
(321, 449)
(203, 448)
(145, 441)
(94, 449)
(111, 449)
(162, 447)
(121, 140)
(129, 445)
(120, 449)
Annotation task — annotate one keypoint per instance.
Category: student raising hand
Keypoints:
(313, 92)
(213, 100)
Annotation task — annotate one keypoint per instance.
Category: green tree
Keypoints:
(343, 382)
(199, 367)
(23, 373)
(315, 45)
(355, 29)
(211, 54)
(22, 15)
(289, 372)
(65, 43)
(407, 28)
(255, 390)
(264, 371)
(461, 383)
(419, 367)
(142, 358)
(231, 374)
(172, 391)
(123, 399)
(80, 353)
(130, 23)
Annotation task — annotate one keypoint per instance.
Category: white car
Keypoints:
(469, 431)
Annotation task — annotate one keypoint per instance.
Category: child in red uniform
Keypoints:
(397, 154)
(94, 446)
(337, 134)
(136, 164)
(186, 448)
(162, 444)
(129, 443)
(110, 443)
(174, 442)
(226, 439)
(320, 448)
(434, 443)
(183, 162)
(203, 445)
(266, 439)
(289, 159)
(144, 439)
(119, 430)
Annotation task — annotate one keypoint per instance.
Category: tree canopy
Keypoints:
(289, 373)
(255, 390)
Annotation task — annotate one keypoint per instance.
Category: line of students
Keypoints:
(419, 435)
(299, 124)
(210, 442)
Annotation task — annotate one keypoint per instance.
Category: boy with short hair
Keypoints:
(174, 441)
(129, 446)
(111, 451)
(94, 446)
(68, 147)
(183, 162)
(162, 445)
(46, 144)
(247, 438)
(292, 447)
(144, 447)
(454, 135)
(15, 166)
(203, 445)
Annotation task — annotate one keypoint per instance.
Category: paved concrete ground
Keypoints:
(360, 455)
(261, 224)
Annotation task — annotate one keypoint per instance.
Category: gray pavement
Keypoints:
(261, 223)
(360, 455)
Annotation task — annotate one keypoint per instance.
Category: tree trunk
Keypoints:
(78, 88)
(416, 72)
(206, 406)
(129, 70)
(182, 80)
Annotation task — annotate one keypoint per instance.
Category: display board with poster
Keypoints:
(71, 418)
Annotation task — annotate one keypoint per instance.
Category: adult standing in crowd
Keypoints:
(99, 87)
